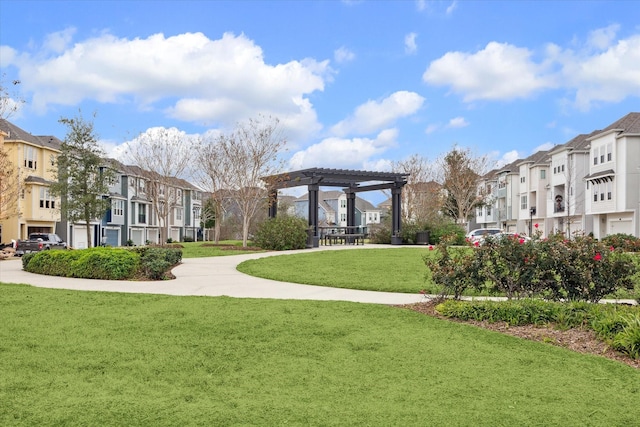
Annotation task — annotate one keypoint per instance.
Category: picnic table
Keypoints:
(346, 235)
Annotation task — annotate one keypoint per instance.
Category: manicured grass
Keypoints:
(204, 249)
(89, 358)
(391, 270)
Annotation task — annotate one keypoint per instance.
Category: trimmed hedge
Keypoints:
(618, 325)
(104, 262)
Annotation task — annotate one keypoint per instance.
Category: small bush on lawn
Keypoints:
(26, 258)
(52, 263)
(155, 262)
(618, 325)
(105, 263)
(454, 234)
(282, 233)
(93, 263)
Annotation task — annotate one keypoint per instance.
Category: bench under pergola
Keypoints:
(351, 182)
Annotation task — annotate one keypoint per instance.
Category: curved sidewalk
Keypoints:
(215, 276)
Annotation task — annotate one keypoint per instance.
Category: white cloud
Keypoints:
(375, 115)
(607, 76)
(338, 152)
(602, 69)
(59, 41)
(453, 6)
(543, 147)
(431, 128)
(343, 54)
(410, 46)
(603, 37)
(458, 122)
(504, 159)
(207, 81)
(498, 72)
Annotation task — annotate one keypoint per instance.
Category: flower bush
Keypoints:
(556, 268)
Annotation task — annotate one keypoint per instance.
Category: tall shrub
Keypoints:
(282, 233)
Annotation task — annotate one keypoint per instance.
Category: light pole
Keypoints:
(532, 212)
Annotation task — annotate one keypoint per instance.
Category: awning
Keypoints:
(599, 177)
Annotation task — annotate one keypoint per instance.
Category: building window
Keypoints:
(601, 154)
(142, 213)
(117, 207)
(52, 160)
(609, 190)
(523, 202)
(522, 180)
(543, 174)
(343, 203)
(46, 200)
(30, 157)
(488, 210)
(179, 213)
(179, 197)
(609, 152)
(562, 168)
(595, 159)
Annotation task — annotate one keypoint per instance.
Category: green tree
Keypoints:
(83, 176)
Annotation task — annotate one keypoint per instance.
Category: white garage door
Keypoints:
(624, 227)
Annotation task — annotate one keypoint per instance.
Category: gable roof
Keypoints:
(14, 133)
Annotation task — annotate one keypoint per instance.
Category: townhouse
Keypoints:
(30, 208)
(590, 185)
(332, 209)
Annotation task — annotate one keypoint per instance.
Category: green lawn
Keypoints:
(206, 249)
(379, 269)
(391, 270)
(91, 358)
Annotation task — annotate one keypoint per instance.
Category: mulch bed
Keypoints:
(580, 340)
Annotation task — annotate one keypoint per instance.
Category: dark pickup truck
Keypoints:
(39, 242)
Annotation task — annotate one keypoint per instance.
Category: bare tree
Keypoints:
(421, 196)
(461, 172)
(212, 175)
(251, 152)
(163, 155)
(10, 101)
(11, 181)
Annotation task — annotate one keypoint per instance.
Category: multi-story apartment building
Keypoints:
(613, 181)
(565, 205)
(32, 209)
(591, 184)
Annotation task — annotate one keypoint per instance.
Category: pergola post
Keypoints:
(273, 203)
(313, 241)
(351, 209)
(396, 215)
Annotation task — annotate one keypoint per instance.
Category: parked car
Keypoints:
(39, 242)
(480, 233)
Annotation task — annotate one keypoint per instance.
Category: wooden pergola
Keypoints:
(351, 182)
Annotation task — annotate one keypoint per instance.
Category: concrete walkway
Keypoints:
(215, 276)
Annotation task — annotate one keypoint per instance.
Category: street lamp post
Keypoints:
(532, 212)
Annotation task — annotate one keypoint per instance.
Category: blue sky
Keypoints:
(356, 84)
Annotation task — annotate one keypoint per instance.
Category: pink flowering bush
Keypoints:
(556, 268)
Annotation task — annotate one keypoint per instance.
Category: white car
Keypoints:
(480, 233)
